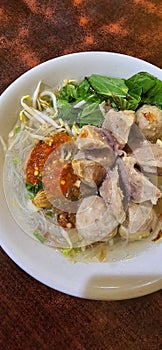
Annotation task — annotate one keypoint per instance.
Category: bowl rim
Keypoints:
(97, 292)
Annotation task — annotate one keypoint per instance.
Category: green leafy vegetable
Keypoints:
(86, 93)
(147, 87)
(87, 112)
(68, 92)
(129, 93)
(154, 96)
(141, 82)
(108, 87)
(116, 90)
(67, 112)
(80, 103)
(74, 92)
(83, 89)
(91, 114)
(130, 102)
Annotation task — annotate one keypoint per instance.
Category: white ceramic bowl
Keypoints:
(136, 275)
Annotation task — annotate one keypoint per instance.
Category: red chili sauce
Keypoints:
(58, 177)
(39, 155)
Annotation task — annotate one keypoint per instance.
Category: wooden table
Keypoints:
(33, 316)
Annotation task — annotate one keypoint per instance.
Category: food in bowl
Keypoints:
(75, 162)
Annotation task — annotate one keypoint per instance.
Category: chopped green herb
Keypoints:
(39, 236)
(18, 129)
(70, 251)
(68, 92)
(15, 160)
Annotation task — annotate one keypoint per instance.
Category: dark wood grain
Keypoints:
(32, 315)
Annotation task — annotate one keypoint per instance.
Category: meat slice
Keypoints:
(93, 144)
(119, 124)
(111, 193)
(141, 189)
(149, 157)
(89, 171)
(135, 139)
(141, 221)
(124, 181)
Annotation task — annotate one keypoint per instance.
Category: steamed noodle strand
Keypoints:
(28, 215)
(2, 142)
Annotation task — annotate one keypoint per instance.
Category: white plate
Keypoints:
(138, 275)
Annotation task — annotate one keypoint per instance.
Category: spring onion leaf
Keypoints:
(70, 251)
(39, 236)
(15, 160)
(18, 129)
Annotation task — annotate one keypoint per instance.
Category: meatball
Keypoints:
(149, 121)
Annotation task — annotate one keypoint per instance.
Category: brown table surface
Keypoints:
(33, 316)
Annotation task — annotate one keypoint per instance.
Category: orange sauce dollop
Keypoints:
(39, 155)
(59, 176)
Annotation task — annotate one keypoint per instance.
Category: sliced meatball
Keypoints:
(149, 157)
(93, 144)
(119, 124)
(141, 220)
(112, 194)
(141, 189)
(149, 121)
